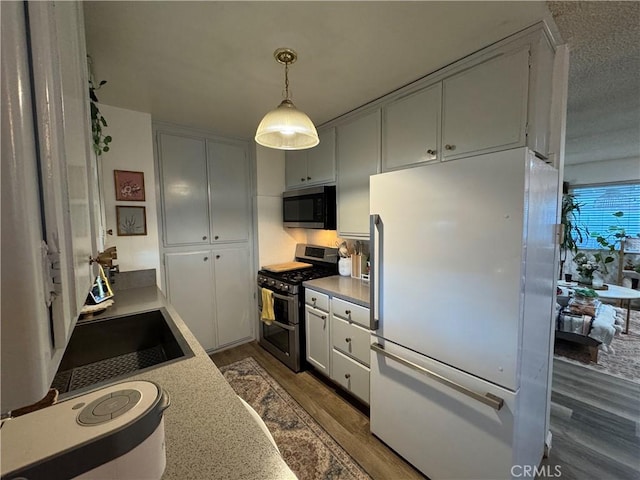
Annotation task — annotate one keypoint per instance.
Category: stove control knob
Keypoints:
(284, 287)
(272, 282)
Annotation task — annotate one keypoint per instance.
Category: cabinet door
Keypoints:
(358, 158)
(485, 107)
(321, 160)
(317, 339)
(295, 171)
(411, 129)
(183, 177)
(229, 182)
(190, 291)
(233, 287)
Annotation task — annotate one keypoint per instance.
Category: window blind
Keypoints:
(600, 203)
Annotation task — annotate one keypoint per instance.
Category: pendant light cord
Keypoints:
(286, 81)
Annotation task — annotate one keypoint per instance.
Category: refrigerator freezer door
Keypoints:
(444, 433)
(449, 271)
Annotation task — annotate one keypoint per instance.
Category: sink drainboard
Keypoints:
(93, 373)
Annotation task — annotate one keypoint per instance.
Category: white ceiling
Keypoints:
(210, 64)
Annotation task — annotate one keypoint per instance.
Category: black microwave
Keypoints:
(310, 208)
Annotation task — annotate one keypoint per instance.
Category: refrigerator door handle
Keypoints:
(489, 399)
(375, 226)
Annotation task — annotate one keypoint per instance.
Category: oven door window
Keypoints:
(277, 336)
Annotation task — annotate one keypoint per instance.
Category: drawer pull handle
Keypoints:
(348, 340)
(313, 299)
(489, 399)
(431, 152)
(347, 376)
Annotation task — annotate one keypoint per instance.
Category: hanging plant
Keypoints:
(100, 141)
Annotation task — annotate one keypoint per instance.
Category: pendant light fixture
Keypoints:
(286, 127)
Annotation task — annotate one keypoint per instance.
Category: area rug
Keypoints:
(305, 446)
(624, 362)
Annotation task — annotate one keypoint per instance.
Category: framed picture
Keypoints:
(131, 220)
(129, 185)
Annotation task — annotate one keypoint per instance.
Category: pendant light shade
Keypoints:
(286, 127)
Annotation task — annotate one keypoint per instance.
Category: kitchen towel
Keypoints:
(268, 316)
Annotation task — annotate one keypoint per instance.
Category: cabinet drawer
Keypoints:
(350, 339)
(352, 376)
(350, 311)
(316, 299)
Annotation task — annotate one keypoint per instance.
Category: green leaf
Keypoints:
(618, 214)
(102, 82)
(107, 139)
(105, 149)
(103, 122)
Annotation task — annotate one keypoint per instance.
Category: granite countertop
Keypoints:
(348, 288)
(209, 433)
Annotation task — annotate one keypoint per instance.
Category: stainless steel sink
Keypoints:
(104, 350)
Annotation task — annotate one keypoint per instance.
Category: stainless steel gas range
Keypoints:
(284, 338)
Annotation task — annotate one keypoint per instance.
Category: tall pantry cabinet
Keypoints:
(206, 230)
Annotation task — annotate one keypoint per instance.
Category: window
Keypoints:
(599, 203)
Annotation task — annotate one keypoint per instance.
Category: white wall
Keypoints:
(130, 149)
(276, 244)
(605, 171)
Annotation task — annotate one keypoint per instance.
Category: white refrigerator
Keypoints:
(462, 299)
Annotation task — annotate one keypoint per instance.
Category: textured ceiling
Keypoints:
(210, 65)
(603, 108)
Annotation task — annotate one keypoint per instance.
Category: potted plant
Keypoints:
(573, 232)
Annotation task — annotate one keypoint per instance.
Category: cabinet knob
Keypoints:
(313, 299)
(217, 256)
(431, 152)
(204, 237)
(216, 237)
(347, 376)
(449, 147)
(347, 312)
(323, 317)
(206, 258)
(348, 340)
(302, 179)
(308, 178)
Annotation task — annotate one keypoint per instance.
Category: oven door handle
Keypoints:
(287, 298)
(284, 325)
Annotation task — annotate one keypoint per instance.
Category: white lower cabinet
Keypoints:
(210, 289)
(317, 338)
(338, 341)
(350, 375)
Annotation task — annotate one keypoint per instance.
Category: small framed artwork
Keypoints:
(129, 185)
(131, 220)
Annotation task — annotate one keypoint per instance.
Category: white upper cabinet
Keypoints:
(321, 160)
(185, 192)
(358, 158)
(229, 183)
(496, 99)
(485, 107)
(296, 168)
(411, 128)
(314, 166)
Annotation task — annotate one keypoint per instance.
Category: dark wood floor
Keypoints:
(594, 421)
(595, 424)
(346, 423)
